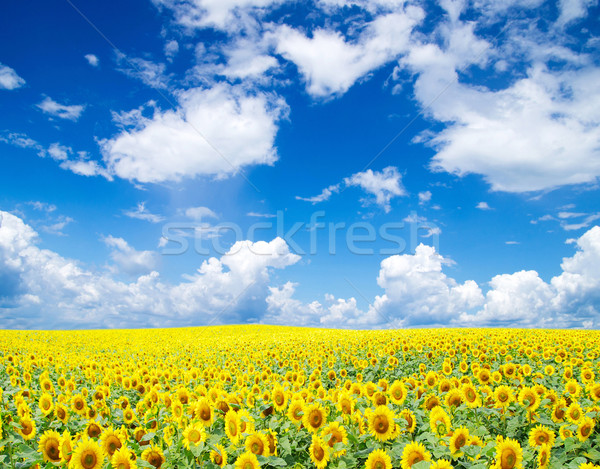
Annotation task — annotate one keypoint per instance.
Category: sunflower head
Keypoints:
(378, 459)
(319, 452)
(381, 423)
(413, 453)
(509, 454)
(87, 455)
(49, 446)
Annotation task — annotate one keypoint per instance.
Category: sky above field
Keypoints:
(363, 164)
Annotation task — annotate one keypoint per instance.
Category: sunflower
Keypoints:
(27, 428)
(574, 413)
(453, 398)
(345, 403)
(503, 396)
(247, 461)
(128, 416)
(93, 430)
(335, 433)
(46, 404)
(541, 435)
(219, 456)
(295, 411)
(509, 454)
(585, 427)
(319, 452)
(470, 396)
(594, 391)
(232, 426)
(439, 421)
(78, 404)
(459, 438)
(87, 455)
(193, 434)
(61, 412)
(279, 398)
(153, 456)
(378, 459)
(411, 421)
(381, 423)
(49, 446)
(204, 412)
(565, 432)
(441, 464)
(529, 399)
(111, 441)
(66, 447)
(414, 453)
(314, 417)
(272, 440)
(543, 458)
(246, 421)
(258, 444)
(397, 392)
(123, 459)
(559, 411)
(431, 401)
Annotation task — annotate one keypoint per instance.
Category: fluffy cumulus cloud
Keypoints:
(129, 260)
(9, 79)
(330, 63)
(40, 287)
(383, 185)
(533, 130)
(417, 292)
(217, 131)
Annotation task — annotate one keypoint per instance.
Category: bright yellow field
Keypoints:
(261, 396)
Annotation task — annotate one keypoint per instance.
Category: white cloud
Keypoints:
(199, 213)
(42, 206)
(150, 73)
(43, 289)
(330, 64)
(384, 185)
(424, 197)
(59, 152)
(57, 226)
(323, 196)
(539, 132)
(128, 260)
(85, 167)
(93, 60)
(239, 125)
(418, 292)
(586, 222)
(9, 80)
(63, 111)
(171, 49)
(140, 212)
(483, 206)
(219, 14)
(571, 10)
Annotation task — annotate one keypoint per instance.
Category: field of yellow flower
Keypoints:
(245, 397)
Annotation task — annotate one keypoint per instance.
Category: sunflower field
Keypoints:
(246, 397)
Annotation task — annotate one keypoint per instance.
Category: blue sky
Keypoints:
(337, 164)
